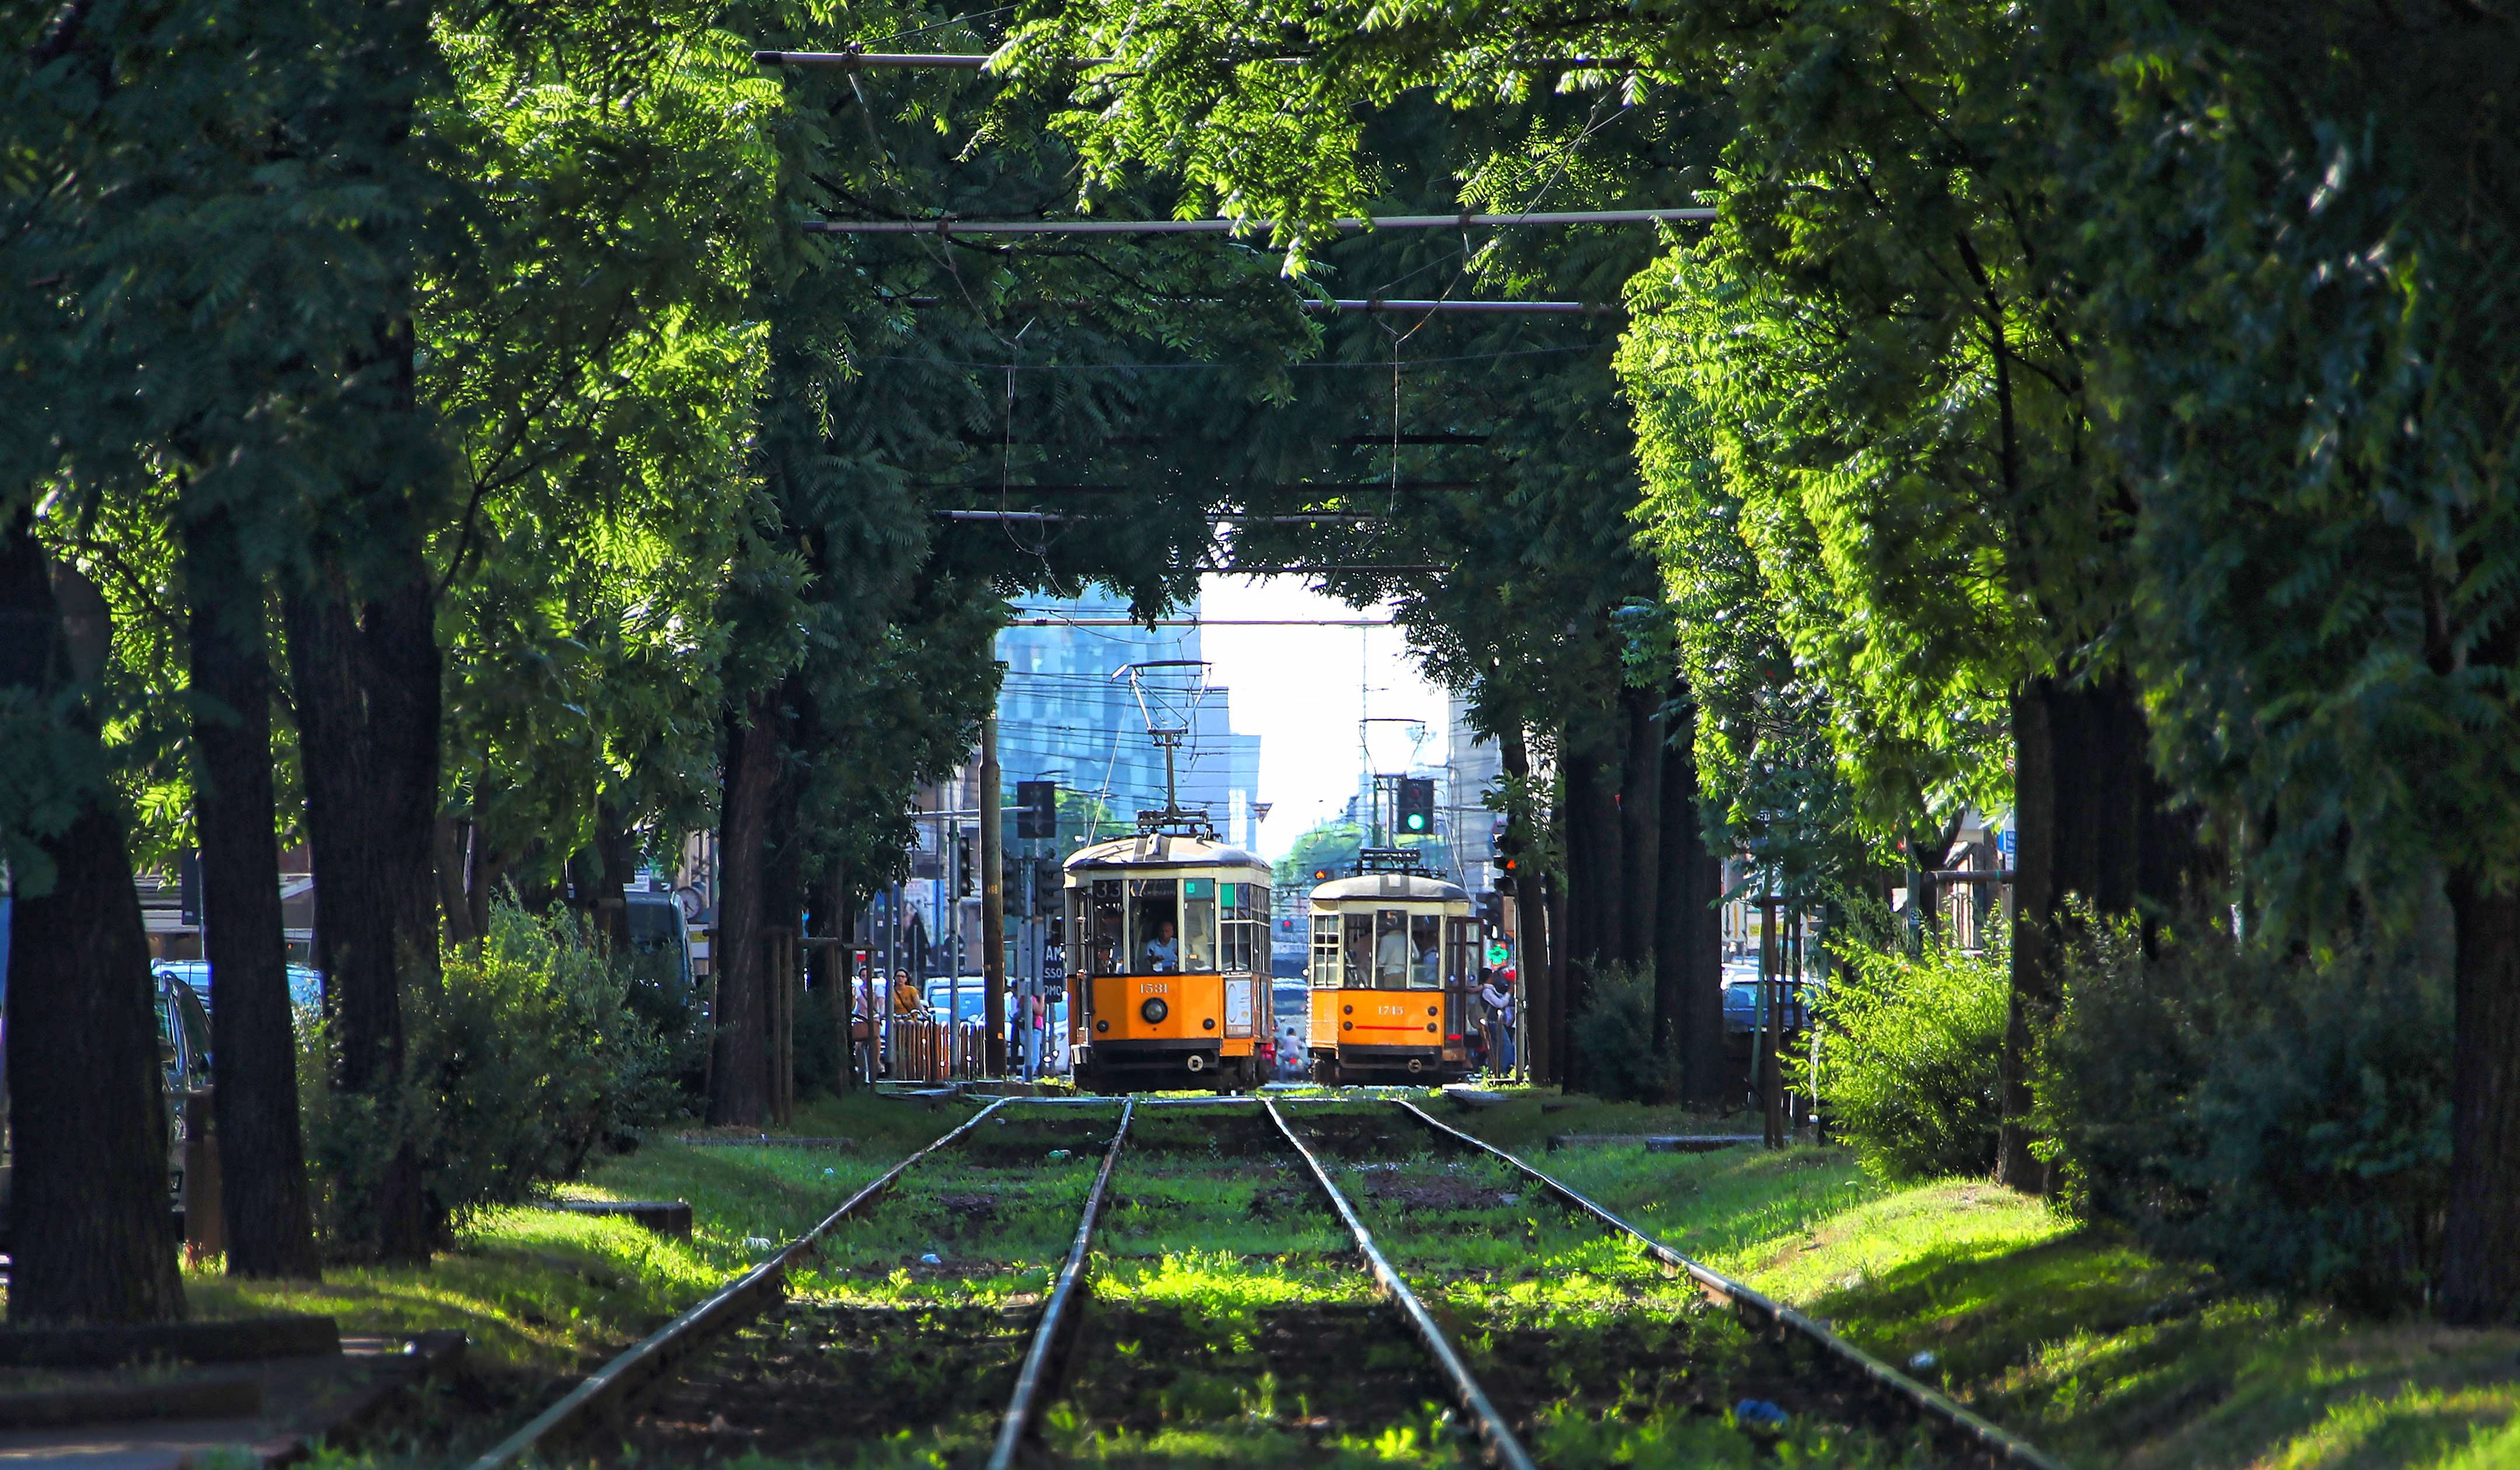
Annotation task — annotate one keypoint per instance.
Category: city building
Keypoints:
(1472, 768)
(1064, 716)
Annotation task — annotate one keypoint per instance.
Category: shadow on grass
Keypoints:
(2103, 1354)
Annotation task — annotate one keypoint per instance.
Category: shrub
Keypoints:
(1613, 1037)
(1907, 1049)
(528, 1056)
(2284, 1114)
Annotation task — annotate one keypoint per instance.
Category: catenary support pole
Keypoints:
(993, 900)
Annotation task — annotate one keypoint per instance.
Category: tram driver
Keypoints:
(1163, 951)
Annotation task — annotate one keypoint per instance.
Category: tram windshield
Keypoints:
(1198, 925)
(1154, 927)
(1425, 950)
(1391, 952)
(1098, 928)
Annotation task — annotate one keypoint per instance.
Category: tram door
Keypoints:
(1461, 954)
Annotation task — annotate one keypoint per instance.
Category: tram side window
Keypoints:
(1245, 906)
(1391, 953)
(1098, 927)
(1358, 950)
(1462, 954)
(1425, 950)
(1198, 925)
(1326, 952)
(1154, 927)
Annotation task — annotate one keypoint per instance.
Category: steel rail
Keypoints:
(1501, 1442)
(1345, 225)
(1044, 1361)
(1758, 1305)
(605, 1394)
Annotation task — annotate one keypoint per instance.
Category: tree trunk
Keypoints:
(2090, 824)
(453, 856)
(616, 863)
(1688, 951)
(738, 1091)
(2481, 1235)
(1550, 1050)
(1641, 805)
(92, 1230)
(2034, 900)
(264, 1209)
(365, 677)
(1596, 874)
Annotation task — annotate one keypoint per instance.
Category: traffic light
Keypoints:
(1036, 809)
(967, 866)
(1417, 805)
(1503, 863)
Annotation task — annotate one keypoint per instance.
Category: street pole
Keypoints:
(993, 901)
(952, 903)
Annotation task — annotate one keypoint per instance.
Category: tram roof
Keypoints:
(1162, 850)
(1401, 886)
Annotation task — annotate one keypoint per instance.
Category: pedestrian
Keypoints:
(1495, 1002)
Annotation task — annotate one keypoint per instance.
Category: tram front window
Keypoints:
(1391, 954)
(1098, 927)
(1199, 928)
(1155, 924)
(1326, 952)
(1426, 947)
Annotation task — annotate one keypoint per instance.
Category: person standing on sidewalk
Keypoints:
(1495, 1000)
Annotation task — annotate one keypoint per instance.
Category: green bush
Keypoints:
(530, 1056)
(2284, 1114)
(1613, 1039)
(1907, 1057)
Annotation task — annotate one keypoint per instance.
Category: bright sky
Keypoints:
(1302, 690)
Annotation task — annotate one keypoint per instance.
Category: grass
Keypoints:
(2073, 1336)
(545, 1292)
(1226, 1285)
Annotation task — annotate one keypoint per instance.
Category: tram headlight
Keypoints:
(1154, 1009)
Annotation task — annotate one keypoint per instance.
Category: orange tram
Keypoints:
(1395, 966)
(1167, 958)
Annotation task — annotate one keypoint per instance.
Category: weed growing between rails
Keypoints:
(1595, 1353)
(1229, 1324)
(900, 1344)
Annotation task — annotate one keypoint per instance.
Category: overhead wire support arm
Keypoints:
(1345, 225)
(1229, 517)
(1394, 305)
(932, 61)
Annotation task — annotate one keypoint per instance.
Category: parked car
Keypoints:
(306, 982)
(1745, 1011)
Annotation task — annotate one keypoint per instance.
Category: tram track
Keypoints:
(1352, 1390)
(1969, 1437)
(1238, 1281)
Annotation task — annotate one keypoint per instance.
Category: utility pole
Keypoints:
(993, 900)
